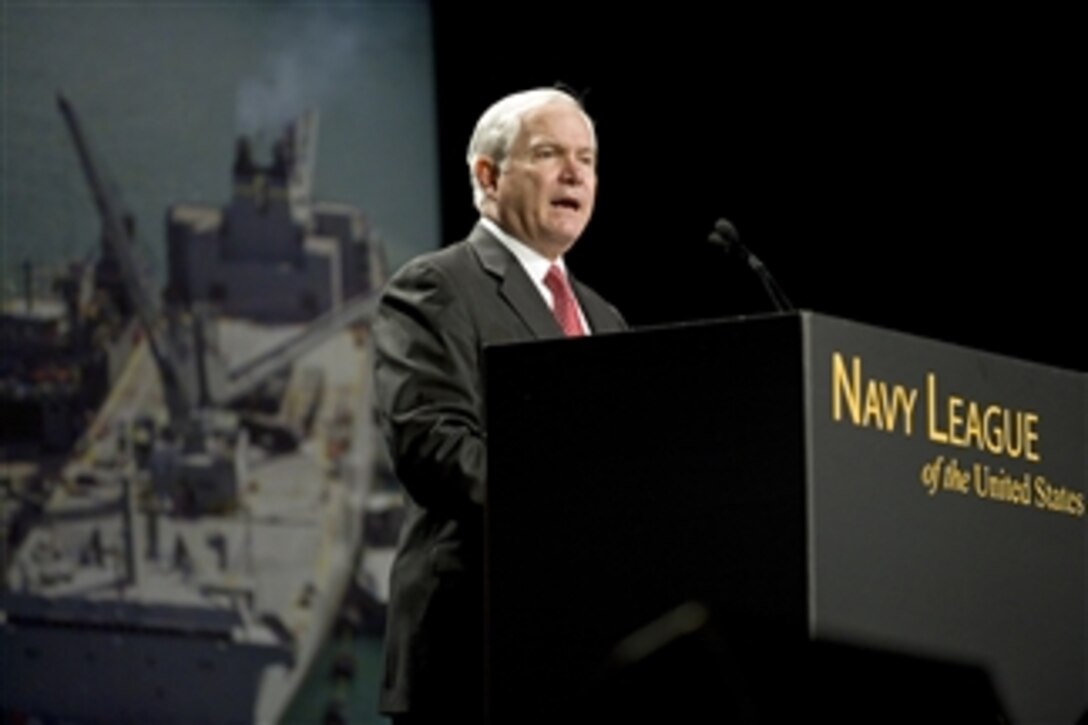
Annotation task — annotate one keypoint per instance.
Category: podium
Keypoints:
(789, 513)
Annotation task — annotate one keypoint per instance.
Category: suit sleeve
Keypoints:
(428, 387)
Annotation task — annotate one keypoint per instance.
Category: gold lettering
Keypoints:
(1031, 437)
(872, 404)
(935, 434)
(1014, 436)
(880, 405)
(844, 386)
(955, 419)
(974, 426)
(960, 422)
(994, 437)
(906, 400)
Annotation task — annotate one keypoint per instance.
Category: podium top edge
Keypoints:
(808, 319)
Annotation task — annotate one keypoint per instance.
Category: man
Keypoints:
(532, 160)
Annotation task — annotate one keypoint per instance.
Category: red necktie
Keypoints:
(564, 306)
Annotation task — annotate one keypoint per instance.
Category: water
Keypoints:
(355, 696)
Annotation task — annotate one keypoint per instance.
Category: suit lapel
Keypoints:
(515, 287)
(600, 316)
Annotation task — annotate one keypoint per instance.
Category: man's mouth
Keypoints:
(567, 203)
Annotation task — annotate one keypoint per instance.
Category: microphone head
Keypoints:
(719, 241)
(727, 231)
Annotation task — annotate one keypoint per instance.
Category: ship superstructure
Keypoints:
(271, 236)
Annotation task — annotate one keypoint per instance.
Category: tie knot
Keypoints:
(555, 280)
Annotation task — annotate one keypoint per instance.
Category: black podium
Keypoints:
(783, 514)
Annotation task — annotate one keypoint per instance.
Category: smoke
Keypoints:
(301, 75)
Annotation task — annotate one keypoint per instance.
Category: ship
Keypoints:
(193, 554)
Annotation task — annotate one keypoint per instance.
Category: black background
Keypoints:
(911, 171)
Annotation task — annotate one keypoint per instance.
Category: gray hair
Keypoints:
(499, 125)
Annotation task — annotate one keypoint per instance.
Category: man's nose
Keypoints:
(572, 171)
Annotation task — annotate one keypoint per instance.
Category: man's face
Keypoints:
(545, 189)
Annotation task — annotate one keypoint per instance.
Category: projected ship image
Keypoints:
(207, 517)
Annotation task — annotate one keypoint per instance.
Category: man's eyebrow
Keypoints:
(552, 143)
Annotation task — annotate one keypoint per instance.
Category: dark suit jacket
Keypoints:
(436, 315)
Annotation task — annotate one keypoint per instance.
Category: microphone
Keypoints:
(725, 236)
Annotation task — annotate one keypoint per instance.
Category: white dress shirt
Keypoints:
(536, 265)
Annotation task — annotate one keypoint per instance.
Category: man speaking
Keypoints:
(533, 163)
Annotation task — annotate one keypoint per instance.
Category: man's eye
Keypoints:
(544, 152)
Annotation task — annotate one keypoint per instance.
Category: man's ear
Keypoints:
(487, 174)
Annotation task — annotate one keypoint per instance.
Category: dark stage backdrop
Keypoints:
(910, 171)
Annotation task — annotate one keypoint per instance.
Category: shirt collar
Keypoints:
(535, 264)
